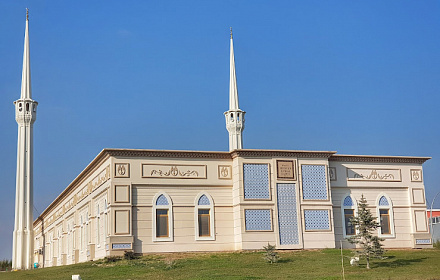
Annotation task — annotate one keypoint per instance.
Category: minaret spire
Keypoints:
(25, 115)
(26, 91)
(235, 116)
(233, 94)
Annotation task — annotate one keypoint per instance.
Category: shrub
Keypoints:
(129, 255)
(5, 265)
(436, 244)
(111, 259)
(270, 255)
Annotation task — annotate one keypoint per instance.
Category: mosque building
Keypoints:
(177, 201)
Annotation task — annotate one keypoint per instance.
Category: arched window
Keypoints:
(204, 217)
(348, 211)
(385, 216)
(162, 218)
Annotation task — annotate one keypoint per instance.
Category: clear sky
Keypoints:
(357, 77)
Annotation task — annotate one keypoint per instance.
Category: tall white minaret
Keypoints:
(234, 116)
(25, 115)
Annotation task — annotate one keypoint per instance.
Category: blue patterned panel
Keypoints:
(423, 241)
(314, 183)
(287, 215)
(258, 219)
(256, 181)
(348, 201)
(204, 200)
(121, 246)
(383, 201)
(162, 200)
(317, 219)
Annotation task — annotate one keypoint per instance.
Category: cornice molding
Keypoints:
(282, 153)
(379, 159)
(166, 153)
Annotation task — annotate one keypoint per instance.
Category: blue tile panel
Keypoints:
(423, 241)
(317, 219)
(287, 214)
(162, 200)
(256, 181)
(314, 183)
(383, 201)
(121, 246)
(258, 219)
(204, 200)
(348, 201)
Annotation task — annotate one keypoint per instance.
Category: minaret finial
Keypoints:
(27, 14)
(231, 32)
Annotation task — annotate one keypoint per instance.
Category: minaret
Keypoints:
(25, 115)
(235, 116)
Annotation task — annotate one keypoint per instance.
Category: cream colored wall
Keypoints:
(183, 192)
(400, 193)
(128, 187)
(183, 203)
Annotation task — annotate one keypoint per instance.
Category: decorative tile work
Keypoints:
(204, 200)
(314, 183)
(258, 219)
(383, 201)
(423, 241)
(256, 181)
(162, 200)
(287, 215)
(317, 219)
(121, 246)
(348, 201)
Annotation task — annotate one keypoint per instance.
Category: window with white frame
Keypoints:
(98, 235)
(348, 211)
(81, 235)
(60, 243)
(204, 217)
(69, 239)
(162, 218)
(105, 220)
(385, 216)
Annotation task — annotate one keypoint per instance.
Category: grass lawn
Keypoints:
(315, 264)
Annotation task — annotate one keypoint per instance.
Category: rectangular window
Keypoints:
(162, 223)
(204, 224)
(385, 221)
(349, 228)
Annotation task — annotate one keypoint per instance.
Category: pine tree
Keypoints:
(366, 224)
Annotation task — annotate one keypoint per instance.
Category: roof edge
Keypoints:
(379, 159)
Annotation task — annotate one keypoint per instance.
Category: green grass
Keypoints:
(314, 264)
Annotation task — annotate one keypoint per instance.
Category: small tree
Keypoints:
(270, 255)
(365, 225)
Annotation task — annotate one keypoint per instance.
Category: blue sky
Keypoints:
(358, 77)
